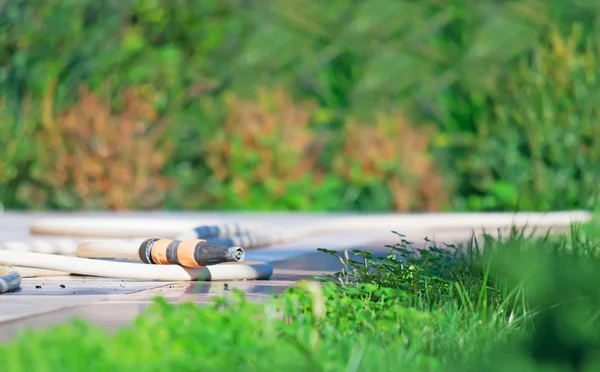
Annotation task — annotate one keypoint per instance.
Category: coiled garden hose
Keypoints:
(157, 259)
(188, 250)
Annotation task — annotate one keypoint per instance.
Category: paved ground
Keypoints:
(112, 303)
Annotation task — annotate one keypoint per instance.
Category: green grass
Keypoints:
(522, 303)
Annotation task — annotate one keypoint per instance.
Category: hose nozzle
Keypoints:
(191, 253)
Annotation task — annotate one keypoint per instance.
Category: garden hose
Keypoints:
(261, 234)
(187, 250)
(157, 259)
(137, 271)
(137, 227)
(191, 253)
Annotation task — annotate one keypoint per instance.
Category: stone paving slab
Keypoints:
(118, 311)
(41, 295)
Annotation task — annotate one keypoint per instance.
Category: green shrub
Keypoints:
(14, 130)
(264, 156)
(271, 153)
(99, 154)
(116, 45)
(452, 65)
(538, 145)
(386, 161)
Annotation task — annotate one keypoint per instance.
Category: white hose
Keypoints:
(67, 256)
(55, 246)
(29, 272)
(123, 227)
(136, 228)
(125, 270)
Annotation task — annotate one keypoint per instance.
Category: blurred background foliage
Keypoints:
(300, 105)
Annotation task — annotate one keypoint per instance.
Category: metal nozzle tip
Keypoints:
(236, 253)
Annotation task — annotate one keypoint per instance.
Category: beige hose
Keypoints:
(167, 228)
(96, 227)
(125, 270)
(54, 257)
